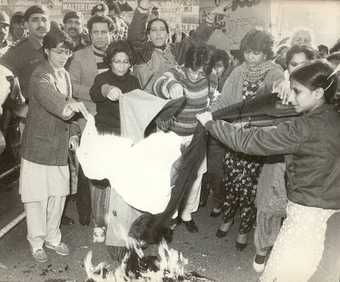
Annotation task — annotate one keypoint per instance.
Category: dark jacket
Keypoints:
(46, 134)
(22, 59)
(108, 115)
(312, 143)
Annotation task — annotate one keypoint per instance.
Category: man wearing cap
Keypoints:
(73, 25)
(4, 29)
(23, 58)
(20, 60)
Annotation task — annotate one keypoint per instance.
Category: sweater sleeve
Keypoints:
(283, 139)
(162, 86)
(96, 91)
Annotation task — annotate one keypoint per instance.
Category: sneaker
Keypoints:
(61, 249)
(40, 255)
(259, 263)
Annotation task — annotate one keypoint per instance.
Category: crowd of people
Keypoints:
(283, 181)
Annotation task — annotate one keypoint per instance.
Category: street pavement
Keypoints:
(215, 258)
(209, 256)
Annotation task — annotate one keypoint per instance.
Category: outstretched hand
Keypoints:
(283, 91)
(75, 107)
(203, 118)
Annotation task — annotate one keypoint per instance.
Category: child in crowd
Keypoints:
(191, 82)
(312, 143)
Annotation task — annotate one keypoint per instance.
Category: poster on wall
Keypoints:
(235, 18)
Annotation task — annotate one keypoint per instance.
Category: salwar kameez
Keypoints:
(299, 246)
(240, 178)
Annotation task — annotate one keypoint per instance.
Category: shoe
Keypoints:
(65, 220)
(259, 263)
(190, 226)
(216, 212)
(99, 234)
(61, 249)
(241, 241)
(222, 232)
(40, 255)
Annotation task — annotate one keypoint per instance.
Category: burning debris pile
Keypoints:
(168, 266)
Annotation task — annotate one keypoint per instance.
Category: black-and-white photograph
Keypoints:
(169, 140)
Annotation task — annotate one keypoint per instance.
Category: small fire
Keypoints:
(135, 267)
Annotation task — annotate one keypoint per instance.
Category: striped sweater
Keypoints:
(197, 94)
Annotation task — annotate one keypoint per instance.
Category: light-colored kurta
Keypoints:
(38, 182)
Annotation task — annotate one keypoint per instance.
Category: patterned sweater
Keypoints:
(197, 93)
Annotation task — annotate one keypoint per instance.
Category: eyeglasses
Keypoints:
(66, 52)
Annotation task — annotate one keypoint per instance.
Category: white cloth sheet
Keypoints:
(139, 172)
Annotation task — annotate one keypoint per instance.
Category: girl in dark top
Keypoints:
(105, 92)
(109, 85)
(312, 145)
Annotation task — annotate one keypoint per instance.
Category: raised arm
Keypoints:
(137, 28)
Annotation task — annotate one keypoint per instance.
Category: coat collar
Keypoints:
(35, 42)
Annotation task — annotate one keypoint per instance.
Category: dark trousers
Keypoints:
(83, 197)
(213, 178)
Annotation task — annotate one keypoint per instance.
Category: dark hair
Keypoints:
(196, 57)
(115, 7)
(296, 49)
(148, 27)
(117, 47)
(54, 37)
(317, 74)
(100, 19)
(17, 18)
(323, 47)
(173, 37)
(334, 58)
(258, 41)
(35, 9)
(218, 56)
(335, 48)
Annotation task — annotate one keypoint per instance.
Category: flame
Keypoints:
(170, 264)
